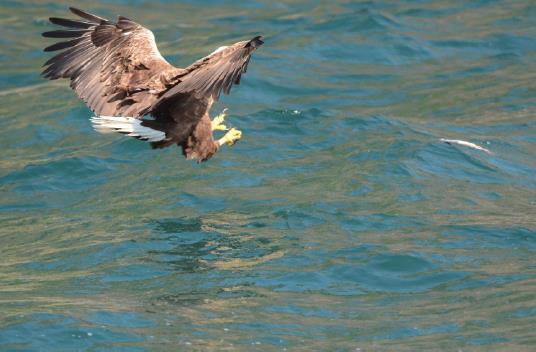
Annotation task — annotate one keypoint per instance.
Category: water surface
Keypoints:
(339, 222)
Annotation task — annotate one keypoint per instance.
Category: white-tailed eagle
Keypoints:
(116, 68)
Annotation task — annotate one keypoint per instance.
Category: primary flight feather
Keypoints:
(116, 68)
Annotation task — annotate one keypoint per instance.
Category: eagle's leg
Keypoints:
(230, 137)
(217, 122)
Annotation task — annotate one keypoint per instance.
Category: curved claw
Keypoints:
(217, 123)
(230, 137)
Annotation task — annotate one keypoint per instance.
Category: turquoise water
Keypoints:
(339, 222)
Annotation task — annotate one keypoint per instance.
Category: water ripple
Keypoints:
(340, 220)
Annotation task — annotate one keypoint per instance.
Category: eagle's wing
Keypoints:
(115, 67)
(217, 72)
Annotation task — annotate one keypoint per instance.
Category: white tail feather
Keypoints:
(127, 125)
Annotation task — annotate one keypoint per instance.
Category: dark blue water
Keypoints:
(339, 222)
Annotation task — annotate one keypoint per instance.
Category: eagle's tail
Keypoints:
(127, 125)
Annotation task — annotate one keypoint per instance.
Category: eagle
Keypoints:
(116, 68)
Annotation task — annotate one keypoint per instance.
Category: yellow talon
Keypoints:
(231, 137)
(217, 122)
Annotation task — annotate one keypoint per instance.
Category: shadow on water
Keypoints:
(206, 256)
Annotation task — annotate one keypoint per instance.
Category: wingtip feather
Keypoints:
(256, 42)
(86, 15)
(65, 22)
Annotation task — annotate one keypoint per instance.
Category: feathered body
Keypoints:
(116, 68)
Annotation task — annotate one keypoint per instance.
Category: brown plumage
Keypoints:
(116, 68)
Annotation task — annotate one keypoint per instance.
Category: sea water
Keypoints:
(340, 221)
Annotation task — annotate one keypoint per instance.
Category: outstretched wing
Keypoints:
(115, 67)
(217, 72)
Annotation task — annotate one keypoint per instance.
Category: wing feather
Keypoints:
(116, 68)
(65, 33)
(70, 23)
(64, 45)
(214, 74)
(88, 16)
(113, 66)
